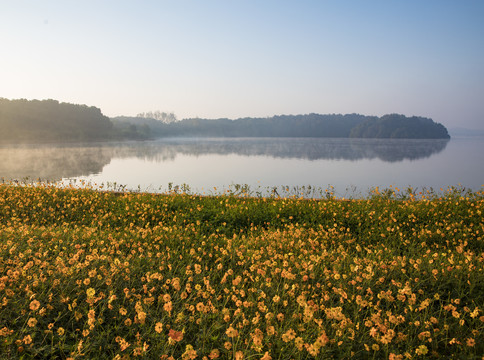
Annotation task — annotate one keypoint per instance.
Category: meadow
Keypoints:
(89, 274)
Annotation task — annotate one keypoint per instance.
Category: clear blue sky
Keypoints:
(224, 58)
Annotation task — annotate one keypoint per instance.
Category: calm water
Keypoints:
(351, 166)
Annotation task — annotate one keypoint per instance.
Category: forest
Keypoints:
(50, 121)
(27, 121)
(310, 125)
(399, 126)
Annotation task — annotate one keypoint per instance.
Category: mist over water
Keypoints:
(350, 165)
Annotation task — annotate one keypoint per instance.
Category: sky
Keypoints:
(257, 58)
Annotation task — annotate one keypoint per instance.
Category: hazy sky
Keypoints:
(224, 58)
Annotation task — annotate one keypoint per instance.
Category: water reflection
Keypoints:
(52, 162)
(55, 162)
(390, 150)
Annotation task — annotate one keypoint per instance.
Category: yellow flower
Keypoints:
(475, 313)
(32, 322)
(141, 317)
(175, 336)
(266, 356)
(215, 353)
(27, 339)
(288, 335)
(158, 327)
(34, 305)
(90, 292)
(123, 344)
(60, 331)
(231, 332)
(189, 353)
(421, 350)
(271, 330)
(168, 307)
(200, 307)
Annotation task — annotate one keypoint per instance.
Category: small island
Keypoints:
(28, 121)
(392, 126)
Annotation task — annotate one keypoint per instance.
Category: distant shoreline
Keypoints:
(47, 121)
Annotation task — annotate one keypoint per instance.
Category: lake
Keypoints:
(213, 165)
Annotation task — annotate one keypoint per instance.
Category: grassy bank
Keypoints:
(91, 274)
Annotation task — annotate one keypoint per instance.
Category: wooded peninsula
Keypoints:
(29, 121)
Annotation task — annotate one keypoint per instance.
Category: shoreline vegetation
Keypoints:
(27, 121)
(120, 275)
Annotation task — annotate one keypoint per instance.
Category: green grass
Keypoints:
(93, 274)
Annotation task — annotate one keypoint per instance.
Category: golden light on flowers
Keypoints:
(263, 278)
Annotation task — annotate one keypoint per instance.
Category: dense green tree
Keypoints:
(48, 120)
(399, 126)
(310, 125)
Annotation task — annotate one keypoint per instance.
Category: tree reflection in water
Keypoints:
(54, 162)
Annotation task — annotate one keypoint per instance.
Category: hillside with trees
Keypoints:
(310, 125)
(395, 126)
(27, 121)
(50, 121)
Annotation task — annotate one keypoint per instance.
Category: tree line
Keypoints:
(49, 120)
(310, 125)
(395, 126)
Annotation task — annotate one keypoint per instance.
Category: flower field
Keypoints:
(88, 274)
